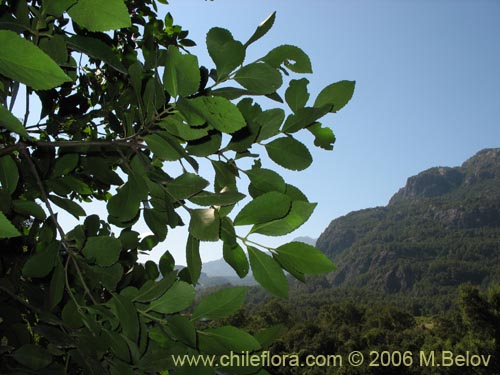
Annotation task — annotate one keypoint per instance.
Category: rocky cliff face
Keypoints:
(440, 230)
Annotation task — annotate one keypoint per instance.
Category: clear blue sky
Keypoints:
(427, 92)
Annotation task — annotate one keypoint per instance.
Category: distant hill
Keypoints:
(441, 230)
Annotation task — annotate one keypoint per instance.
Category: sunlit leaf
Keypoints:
(268, 272)
(289, 153)
(260, 78)
(97, 15)
(220, 304)
(336, 95)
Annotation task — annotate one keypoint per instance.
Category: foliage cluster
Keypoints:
(127, 118)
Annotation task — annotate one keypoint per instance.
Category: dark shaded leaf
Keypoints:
(221, 304)
(336, 95)
(289, 153)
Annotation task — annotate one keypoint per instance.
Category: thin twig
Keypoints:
(27, 110)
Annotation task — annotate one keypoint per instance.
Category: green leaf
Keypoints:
(262, 29)
(9, 174)
(124, 204)
(65, 164)
(206, 198)
(193, 258)
(180, 296)
(270, 122)
(41, 263)
(303, 258)
(177, 126)
(303, 118)
(7, 230)
(97, 15)
(221, 304)
(264, 180)
(268, 336)
(186, 185)
(157, 221)
(33, 356)
(182, 73)
(68, 205)
(225, 340)
(205, 146)
(205, 224)
(236, 258)
(126, 313)
(56, 8)
(296, 95)
(323, 137)
(29, 208)
(10, 122)
(98, 50)
(289, 153)
(167, 264)
(57, 284)
(152, 290)
(266, 207)
(260, 78)
(104, 250)
(109, 277)
(268, 272)
(162, 148)
(226, 52)
(336, 95)
(298, 215)
(183, 329)
(292, 57)
(217, 111)
(24, 62)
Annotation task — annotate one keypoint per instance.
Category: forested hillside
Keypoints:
(439, 231)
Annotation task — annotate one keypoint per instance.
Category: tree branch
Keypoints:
(119, 143)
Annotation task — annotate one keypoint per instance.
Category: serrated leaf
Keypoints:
(323, 137)
(152, 290)
(205, 224)
(41, 263)
(264, 208)
(7, 230)
(260, 78)
(183, 329)
(303, 258)
(157, 221)
(217, 111)
(205, 146)
(206, 198)
(9, 174)
(303, 118)
(264, 180)
(193, 258)
(104, 250)
(291, 56)
(225, 340)
(270, 122)
(98, 50)
(126, 313)
(262, 29)
(221, 304)
(68, 205)
(97, 15)
(24, 62)
(65, 164)
(124, 204)
(182, 73)
(236, 258)
(289, 153)
(33, 356)
(162, 148)
(298, 215)
(178, 297)
(226, 52)
(186, 185)
(268, 272)
(57, 7)
(296, 94)
(10, 122)
(336, 95)
(57, 284)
